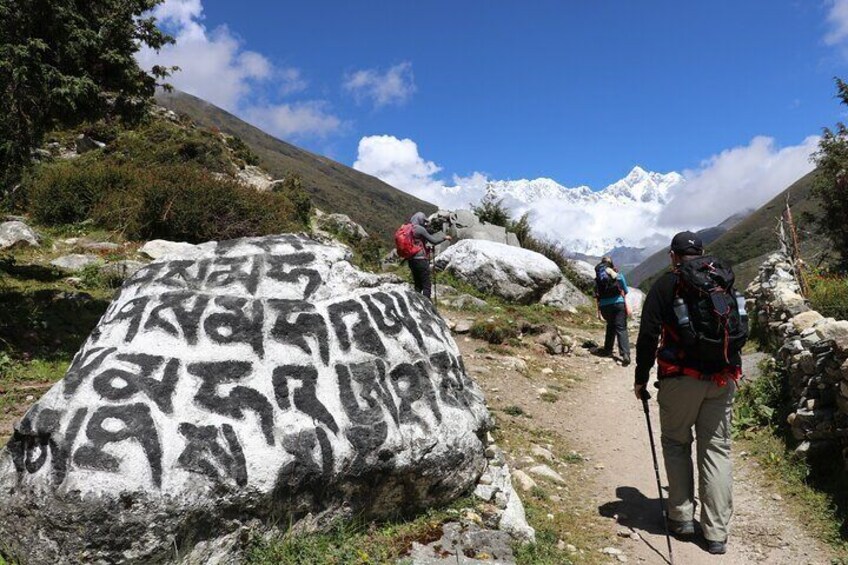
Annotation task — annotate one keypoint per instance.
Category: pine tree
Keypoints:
(63, 62)
(832, 182)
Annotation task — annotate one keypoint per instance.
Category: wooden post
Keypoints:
(797, 263)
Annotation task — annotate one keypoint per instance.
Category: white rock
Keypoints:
(514, 274)
(584, 270)
(267, 376)
(514, 520)
(542, 453)
(17, 233)
(635, 298)
(524, 481)
(161, 249)
(463, 326)
(75, 262)
(547, 473)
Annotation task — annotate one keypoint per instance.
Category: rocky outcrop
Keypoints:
(512, 273)
(464, 224)
(339, 224)
(812, 353)
(16, 233)
(248, 383)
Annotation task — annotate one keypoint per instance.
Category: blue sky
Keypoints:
(577, 91)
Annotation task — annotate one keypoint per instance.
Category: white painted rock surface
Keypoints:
(512, 273)
(262, 380)
(565, 296)
(17, 233)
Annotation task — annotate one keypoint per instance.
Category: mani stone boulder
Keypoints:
(262, 381)
(512, 273)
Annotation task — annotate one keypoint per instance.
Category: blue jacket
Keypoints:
(622, 283)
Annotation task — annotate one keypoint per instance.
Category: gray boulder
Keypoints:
(512, 273)
(565, 296)
(464, 224)
(75, 262)
(121, 269)
(16, 233)
(584, 270)
(263, 382)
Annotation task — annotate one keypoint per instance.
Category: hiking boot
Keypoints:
(717, 547)
(601, 352)
(625, 361)
(681, 529)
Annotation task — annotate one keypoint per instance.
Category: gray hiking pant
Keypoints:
(686, 402)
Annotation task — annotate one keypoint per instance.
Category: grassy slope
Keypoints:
(334, 187)
(747, 244)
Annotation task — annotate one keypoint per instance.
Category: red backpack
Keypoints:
(405, 244)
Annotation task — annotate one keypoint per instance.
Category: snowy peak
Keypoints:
(639, 186)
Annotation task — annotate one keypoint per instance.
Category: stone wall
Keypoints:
(812, 352)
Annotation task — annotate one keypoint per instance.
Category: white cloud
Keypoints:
(397, 162)
(216, 66)
(395, 86)
(287, 120)
(736, 179)
(837, 19)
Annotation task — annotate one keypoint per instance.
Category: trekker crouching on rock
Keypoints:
(610, 291)
(694, 323)
(411, 241)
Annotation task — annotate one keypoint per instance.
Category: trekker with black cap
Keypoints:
(694, 324)
(411, 241)
(610, 291)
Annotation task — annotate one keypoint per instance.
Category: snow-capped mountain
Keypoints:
(639, 186)
(592, 222)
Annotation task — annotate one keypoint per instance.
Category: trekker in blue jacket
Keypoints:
(610, 291)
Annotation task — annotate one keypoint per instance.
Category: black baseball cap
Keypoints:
(687, 243)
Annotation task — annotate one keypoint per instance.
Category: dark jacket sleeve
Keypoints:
(421, 232)
(658, 307)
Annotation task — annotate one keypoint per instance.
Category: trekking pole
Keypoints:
(433, 270)
(645, 396)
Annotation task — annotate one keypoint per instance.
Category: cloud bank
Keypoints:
(736, 179)
(216, 66)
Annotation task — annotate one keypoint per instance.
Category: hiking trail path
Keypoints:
(600, 418)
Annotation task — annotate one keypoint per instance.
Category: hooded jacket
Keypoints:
(422, 236)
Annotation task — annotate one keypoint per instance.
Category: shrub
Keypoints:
(492, 210)
(494, 330)
(242, 150)
(179, 202)
(292, 188)
(829, 295)
(158, 142)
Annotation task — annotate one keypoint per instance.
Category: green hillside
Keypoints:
(333, 187)
(747, 244)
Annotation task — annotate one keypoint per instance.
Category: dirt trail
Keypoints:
(606, 424)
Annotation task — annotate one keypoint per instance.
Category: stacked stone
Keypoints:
(813, 352)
